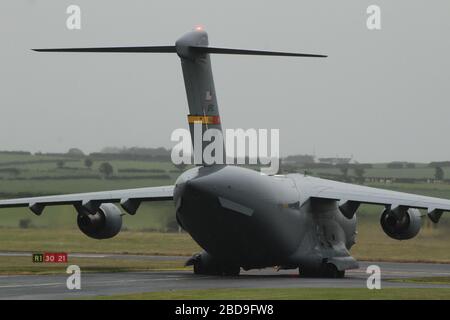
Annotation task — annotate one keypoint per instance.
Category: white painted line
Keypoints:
(33, 285)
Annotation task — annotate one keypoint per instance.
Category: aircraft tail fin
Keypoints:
(194, 52)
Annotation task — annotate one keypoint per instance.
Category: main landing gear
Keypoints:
(204, 264)
(327, 270)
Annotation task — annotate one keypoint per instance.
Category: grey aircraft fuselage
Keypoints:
(253, 220)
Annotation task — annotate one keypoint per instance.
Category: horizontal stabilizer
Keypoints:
(158, 49)
(173, 49)
(255, 52)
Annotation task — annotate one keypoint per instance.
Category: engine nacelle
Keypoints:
(401, 223)
(104, 224)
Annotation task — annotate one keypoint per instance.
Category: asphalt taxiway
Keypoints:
(94, 284)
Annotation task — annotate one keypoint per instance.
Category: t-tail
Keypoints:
(194, 51)
(201, 96)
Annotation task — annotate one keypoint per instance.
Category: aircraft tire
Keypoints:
(309, 273)
(331, 271)
(213, 268)
(327, 271)
(231, 271)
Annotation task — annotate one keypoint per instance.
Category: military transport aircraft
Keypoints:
(240, 217)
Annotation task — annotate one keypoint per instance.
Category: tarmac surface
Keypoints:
(95, 284)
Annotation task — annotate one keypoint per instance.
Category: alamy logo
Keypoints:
(374, 280)
(374, 19)
(241, 146)
(73, 22)
(74, 280)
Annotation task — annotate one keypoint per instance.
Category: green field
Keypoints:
(425, 280)
(41, 175)
(72, 240)
(380, 170)
(431, 245)
(56, 229)
(151, 216)
(146, 232)
(290, 294)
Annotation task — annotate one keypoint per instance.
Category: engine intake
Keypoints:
(401, 223)
(104, 224)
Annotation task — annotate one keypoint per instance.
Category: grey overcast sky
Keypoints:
(380, 96)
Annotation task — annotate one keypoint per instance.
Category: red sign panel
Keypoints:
(50, 257)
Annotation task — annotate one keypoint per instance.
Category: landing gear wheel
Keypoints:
(231, 271)
(198, 268)
(331, 271)
(309, 273)
(328, 270)
(204, 264)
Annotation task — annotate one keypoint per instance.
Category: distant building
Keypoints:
(299, 159)
(335, 161)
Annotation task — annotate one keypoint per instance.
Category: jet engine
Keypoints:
(104, 224)
(401, 223)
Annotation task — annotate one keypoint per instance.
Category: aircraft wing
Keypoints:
(353, 195)
(128, 198)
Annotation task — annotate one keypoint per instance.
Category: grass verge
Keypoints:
(431, 245)
(72, 240)
(290, 294)
(425, 280)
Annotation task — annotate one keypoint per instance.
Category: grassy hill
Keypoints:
(56, 229)
(25, 174)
